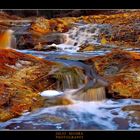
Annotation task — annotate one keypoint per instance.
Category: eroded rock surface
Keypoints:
(122, 70)
(21, 78)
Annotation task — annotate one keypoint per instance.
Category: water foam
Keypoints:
(50, 93)
(81, 35)
(81, 115)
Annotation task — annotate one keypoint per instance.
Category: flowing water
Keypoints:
(106, 114)
(82, 115)
(82, 34)
(103, 115)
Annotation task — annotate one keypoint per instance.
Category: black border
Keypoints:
(87, 135)
(69, 4)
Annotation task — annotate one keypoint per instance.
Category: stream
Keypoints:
(82, 115)
(93, 115)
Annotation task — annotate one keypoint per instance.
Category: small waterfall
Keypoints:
(69, 78)
(73, 81)
(7, 39)
(80, 35)
(86, 34)
(77, 75)
(93, 94)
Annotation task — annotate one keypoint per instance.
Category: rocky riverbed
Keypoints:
(71, 73)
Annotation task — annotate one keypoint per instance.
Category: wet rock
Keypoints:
(41, 47)
(133, 113)
(111, 70)
(64, 101)
(72, 57)
(122, 123)
(45, 26)
(22, 77)
(131, 108)
(114, 112)
(4, 17)
(56, 38)
(122, 70)
(87, 48)
(25, 42)
(43, 42)
(40, 43)
(58, 101)
(120, 30)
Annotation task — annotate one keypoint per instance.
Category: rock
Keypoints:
(133, 113)
(38, 47)
(49, 48)
(72, 57)
(45, 26)
(41, 47)
(122, 70)
(25, 42)
(121, 30)
(22, 77)
(4, 17)
(122, 123)
(65, 13)
(40, 43)
(53, 38)
(131, 108)
(114, 112)
(87, 48)
(63, 100)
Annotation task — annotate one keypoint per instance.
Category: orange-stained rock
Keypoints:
(85, 48)
(45, 26)
(122, 70)
(7, 21)
(133, 112)
(22, 77)
(124, 27)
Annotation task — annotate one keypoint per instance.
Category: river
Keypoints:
(106, 114)
(93, 115)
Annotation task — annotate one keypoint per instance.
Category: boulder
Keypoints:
(122, 70)
(133, 113)
(22, 77)
(25, 41)
(85, 48)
